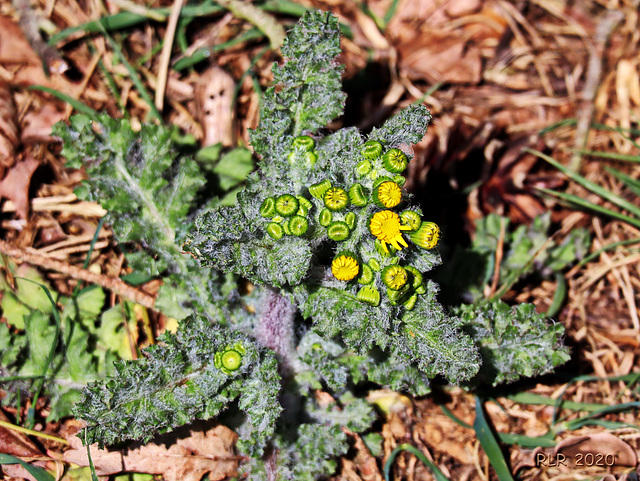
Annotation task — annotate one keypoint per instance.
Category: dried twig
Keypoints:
(113, 284)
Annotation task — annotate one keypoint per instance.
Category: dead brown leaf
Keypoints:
(439, 55)
(22, 63)
(38, 123)
(460, 8)
(9, 139)
(15, 185)
(604, 443)
(15, 443)
(18, 472)
(576, 448)
(187, 459)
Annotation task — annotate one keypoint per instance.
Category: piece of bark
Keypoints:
(213, 97)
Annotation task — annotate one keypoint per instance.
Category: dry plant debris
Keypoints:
(204, 452)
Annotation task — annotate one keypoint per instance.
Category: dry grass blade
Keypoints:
(165, 56)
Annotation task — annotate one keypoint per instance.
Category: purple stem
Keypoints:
(276, 328)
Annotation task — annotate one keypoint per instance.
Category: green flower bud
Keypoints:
(388, 252)
(305, 205)
(298, 225)
(374, 264)
(366, 275)
(411, 302)
(338, 231)
(268, 207)
(363, 168)
(357, 195)
(310, 158)
(395, 161)
(426, 236)
(275, 230)
(350, 220)
(371, 150)
(394, 277)
(286, 205)
(325, 217)
(230, 359)
(399, 179)
(412, 219)
(304, 142)
(416, 275)
(370, 295)
(397, 296)
(318, 190)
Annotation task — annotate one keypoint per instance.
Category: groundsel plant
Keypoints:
(315, 281)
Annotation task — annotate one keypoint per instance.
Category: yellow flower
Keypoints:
(388, 194)
(336, 199)
(345, 267)
(385, 225)
(394, 277)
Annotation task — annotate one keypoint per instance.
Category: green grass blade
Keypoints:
(111, 83)
(490, 444)
(575, 424)
(587, 184)
(415, 451)
(558, 125)
(123, 20)
(87, 259)
(254, 60)
(391, 11)
(52, 351)
(630, 183)
(112, 22)
(538, 399)
(594, 125)
(20, 378)
(559, 296)
(585, 204)
(372, 15)
(285, 7)
(608, 155)
(453, 417)
(40, 474)
(527, 441)
(135, 78)
(431, 90)
(204, 53)
(76, 104)
(606, 248)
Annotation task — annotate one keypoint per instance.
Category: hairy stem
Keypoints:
(276, 328)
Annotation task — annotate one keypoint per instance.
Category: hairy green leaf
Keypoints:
(514, 341)
(178, 381)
